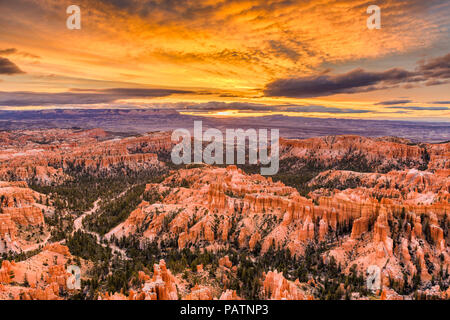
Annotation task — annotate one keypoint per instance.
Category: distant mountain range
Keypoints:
(144, 120)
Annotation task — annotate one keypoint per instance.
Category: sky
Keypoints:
(230, 57)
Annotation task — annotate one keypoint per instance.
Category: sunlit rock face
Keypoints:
(51, 156)
(276, 287)
(20, 209)
(163, 285)
(373, 154)
(374, 202)
(219, 207)
(40, 277)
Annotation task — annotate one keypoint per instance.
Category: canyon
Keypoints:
(46, 158)
(339, 205)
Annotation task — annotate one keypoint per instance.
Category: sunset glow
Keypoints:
(264, 54)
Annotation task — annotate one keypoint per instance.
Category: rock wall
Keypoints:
(45, 274)
(19, 208)
(91, 151)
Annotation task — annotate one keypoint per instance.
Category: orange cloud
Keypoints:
(220, 46)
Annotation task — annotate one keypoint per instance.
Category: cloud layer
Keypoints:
(433, 72)
(228, 43)
(392, 102)
(252, 56)
(81, 96)
(217, 106)
(9, 68)
(414, 108)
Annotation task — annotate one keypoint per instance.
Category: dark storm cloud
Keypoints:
(441, 102)
(419, 108)
(8, 67)
(438, 68)
(432, 72)
(392, 102)
(81, 97)
(354, 81)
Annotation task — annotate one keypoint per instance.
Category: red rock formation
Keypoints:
(18, 209)
(45, 272)
(276, 287)
(162, 285)
(381, 228)
(218, 208)
(381, 153)
(37, 157)
(389, 294)
(199, 292)
(215, 201)
(229, 295)
(225, 262)
(360, 226)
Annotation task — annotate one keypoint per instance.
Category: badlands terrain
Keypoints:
(141, 228)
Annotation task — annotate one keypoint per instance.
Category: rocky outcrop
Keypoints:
(374, 154)
(360, 226)
(214, 207)
(199, 292)
(8, 231)
(229, 295)
(392, 214)
(161, 286)
(436, 232)
(225, 262)
(276, 287)
(44, 275)
(410, 187)
(19, 208)
(51, 156)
